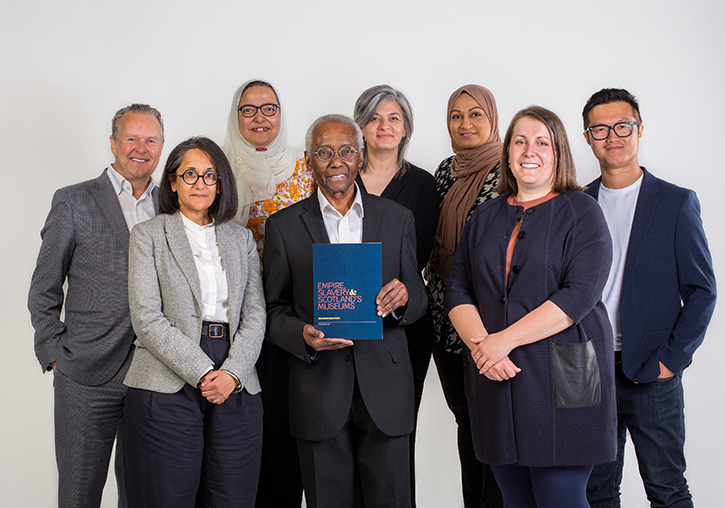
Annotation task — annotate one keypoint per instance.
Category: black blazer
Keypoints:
(320, 391)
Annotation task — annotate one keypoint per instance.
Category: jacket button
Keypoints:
(348, 358)
(522, 235)
(515, 269)
(529, 211)
(503, 299)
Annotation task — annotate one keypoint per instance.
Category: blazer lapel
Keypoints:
(107, 200)
(371, 220)
(646, 204)
(312, 218)
(181, 251)
(232, 260)
(155, 198)
(593, 188)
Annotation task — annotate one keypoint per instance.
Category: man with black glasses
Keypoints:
(351, 404)
(660, 296)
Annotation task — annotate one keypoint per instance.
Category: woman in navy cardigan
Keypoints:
(525, 296)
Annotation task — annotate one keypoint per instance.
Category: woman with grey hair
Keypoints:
(386, 119)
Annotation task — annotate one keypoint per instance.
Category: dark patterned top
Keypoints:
(442, 326)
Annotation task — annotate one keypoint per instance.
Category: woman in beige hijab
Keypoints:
(464, 181)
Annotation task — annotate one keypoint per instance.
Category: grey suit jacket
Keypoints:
(321, 391)
(85, 242)
(166, 306)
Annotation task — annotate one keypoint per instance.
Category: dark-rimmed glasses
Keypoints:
(346, 153)
(190, 177)
(250, 110)
(621, 129)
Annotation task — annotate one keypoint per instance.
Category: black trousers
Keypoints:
(480, 489)
(185, 452)
(280, 479)
(419, 336)
(359, 464)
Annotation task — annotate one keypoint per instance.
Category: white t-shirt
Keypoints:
(618, 206)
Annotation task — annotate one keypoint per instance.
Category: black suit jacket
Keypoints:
(321, 391)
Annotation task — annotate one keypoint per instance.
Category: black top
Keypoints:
(415, 189)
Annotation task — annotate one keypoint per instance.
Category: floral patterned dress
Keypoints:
(442, 327)
(296, 188)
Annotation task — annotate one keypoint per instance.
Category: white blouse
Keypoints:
(213, 279)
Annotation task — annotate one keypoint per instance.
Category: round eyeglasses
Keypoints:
(250, 110)
(190, 177)
(346, 153)
(621, 129)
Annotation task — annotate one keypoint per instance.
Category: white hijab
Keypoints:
(257, 173)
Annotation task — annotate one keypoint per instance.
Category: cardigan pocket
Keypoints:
(576, 375)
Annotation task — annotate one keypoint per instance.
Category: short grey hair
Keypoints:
(332, 119)
(135, 108)
(367, 105)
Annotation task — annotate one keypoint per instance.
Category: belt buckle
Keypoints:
(216, 331)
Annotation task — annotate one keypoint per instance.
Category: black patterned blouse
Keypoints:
(442, 326)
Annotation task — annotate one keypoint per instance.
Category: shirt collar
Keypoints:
(120, 183)
(356, 203)
(193, 226)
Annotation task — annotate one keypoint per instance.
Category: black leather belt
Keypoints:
(215, 330)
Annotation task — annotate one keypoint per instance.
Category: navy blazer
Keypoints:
(668, 291)
(321, 391)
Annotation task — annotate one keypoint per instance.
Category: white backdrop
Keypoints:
(68, 66)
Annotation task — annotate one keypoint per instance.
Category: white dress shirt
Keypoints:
(134, 210)
(340, 228)
(213, 279)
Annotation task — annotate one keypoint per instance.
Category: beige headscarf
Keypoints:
(257, 173)
(470, 167)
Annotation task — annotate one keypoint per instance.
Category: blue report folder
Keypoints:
(347, 278)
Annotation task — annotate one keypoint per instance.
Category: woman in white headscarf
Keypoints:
(270, 174)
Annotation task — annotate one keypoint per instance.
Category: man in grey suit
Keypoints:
(85, 244)
(351, 405)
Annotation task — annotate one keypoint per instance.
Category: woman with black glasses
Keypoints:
(193, 416)
(270, 176)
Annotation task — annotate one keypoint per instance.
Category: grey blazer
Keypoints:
(165, 300)
(85, 242)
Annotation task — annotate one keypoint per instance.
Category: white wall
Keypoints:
(68, 66)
